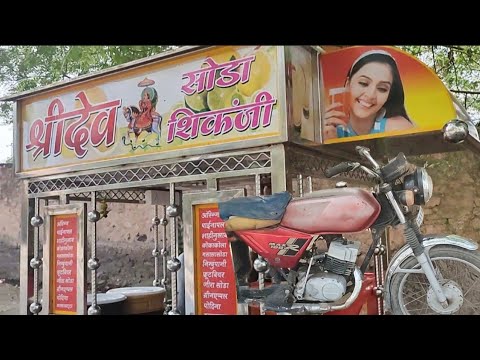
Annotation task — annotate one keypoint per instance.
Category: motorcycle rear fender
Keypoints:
(429, 241)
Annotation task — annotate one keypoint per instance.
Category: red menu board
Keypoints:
(64, 264)
(215, 275)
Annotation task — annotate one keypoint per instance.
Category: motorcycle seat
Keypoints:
(236, 223)
(270, 207)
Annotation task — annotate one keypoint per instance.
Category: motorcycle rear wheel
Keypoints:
(410, 292)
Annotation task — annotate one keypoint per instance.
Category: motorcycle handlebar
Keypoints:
(340, 168)
(349, 166)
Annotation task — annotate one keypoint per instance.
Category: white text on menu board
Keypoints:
(218, 296)
(66, 263)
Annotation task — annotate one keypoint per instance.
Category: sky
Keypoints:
(6, 134)
(6, 140)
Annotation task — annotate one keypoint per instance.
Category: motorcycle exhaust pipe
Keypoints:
(322, 308)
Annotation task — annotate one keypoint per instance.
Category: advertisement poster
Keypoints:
(215, 274)
(64, 264)
(300, 77)
(379, 91)
(205, 98)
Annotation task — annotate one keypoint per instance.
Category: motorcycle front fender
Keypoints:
(429, 241)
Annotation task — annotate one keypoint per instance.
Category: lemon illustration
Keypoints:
(221, 98)
(225, 56)
(197, 102)
(166, 116)
(222, 58)
(259, 74)
(272, 51)
(237, 96)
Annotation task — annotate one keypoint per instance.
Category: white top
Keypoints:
(138, 291)
(103, 298)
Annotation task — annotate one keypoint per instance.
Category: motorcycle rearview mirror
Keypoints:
(361, 149)
(365, 152)
(455, 131)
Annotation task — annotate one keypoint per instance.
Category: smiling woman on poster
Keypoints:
(371, 101)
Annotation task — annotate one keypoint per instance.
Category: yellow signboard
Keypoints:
(177, 106)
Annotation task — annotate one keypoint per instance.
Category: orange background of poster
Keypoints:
(427, 100)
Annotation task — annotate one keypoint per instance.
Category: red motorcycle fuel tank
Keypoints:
(332, 211)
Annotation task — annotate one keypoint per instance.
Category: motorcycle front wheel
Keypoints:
(411, 293)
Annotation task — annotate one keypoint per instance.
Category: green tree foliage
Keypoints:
(25, 68)
(458, 67)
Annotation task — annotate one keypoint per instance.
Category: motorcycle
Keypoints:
(301, 238)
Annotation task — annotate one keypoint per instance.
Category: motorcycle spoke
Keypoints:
(421, 311)
(421, 283)
(470, 288)
(414, 287)
(423, 287)
(467, 309)
(417, 279)
(416, 296)
(414, 290)
(461, 278)
(416, 299)
(426, 310)
(476, 307)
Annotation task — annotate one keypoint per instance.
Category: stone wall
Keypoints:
(125, 240)
(10, 203)
(455, 205)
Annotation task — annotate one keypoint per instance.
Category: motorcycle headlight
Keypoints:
(421, 184)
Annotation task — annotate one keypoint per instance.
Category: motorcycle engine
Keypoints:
(341, 257)
(327, 280)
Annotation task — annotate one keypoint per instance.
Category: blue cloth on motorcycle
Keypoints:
(271, 207)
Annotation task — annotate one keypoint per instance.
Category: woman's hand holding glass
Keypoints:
(333, 117)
